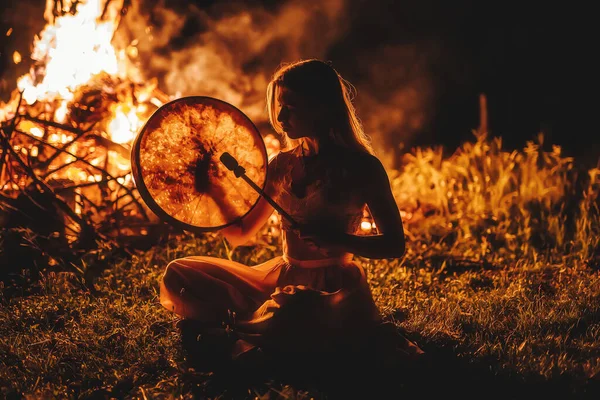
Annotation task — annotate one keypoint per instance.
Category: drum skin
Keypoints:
(176, 167)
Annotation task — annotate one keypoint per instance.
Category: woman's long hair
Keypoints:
(320, 83)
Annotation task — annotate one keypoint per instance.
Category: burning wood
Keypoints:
(66, 132)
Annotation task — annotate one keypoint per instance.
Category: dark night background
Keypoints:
(533, 61)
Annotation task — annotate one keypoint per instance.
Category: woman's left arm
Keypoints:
(374, 185)
(377, 192)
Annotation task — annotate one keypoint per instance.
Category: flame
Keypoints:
(72, 50)
(122, 163)
(61, 112)
(78, 200)
(125, 124)
(83, 104)
(37, 132)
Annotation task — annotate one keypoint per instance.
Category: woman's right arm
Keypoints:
(247, 227)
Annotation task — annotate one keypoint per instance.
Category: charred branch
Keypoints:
(103, 172)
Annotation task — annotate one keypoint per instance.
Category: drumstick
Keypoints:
(231, 163)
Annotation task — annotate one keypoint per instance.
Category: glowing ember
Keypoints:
(17, 57)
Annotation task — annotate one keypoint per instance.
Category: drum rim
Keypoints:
(145, 193)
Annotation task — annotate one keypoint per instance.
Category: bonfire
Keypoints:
(67, 128)
(67, 132)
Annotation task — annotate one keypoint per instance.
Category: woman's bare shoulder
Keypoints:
(361, 162)
(366, 170)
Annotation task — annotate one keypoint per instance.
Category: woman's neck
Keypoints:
(313, 147)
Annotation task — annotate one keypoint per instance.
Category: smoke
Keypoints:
(395, 97)
(230, 53)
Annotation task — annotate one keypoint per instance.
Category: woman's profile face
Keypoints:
(298, 116)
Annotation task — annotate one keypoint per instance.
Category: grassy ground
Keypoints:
(501, 288)
(498, 332)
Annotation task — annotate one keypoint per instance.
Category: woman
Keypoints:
(314, 296)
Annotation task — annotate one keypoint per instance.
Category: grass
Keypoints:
(500, 286)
